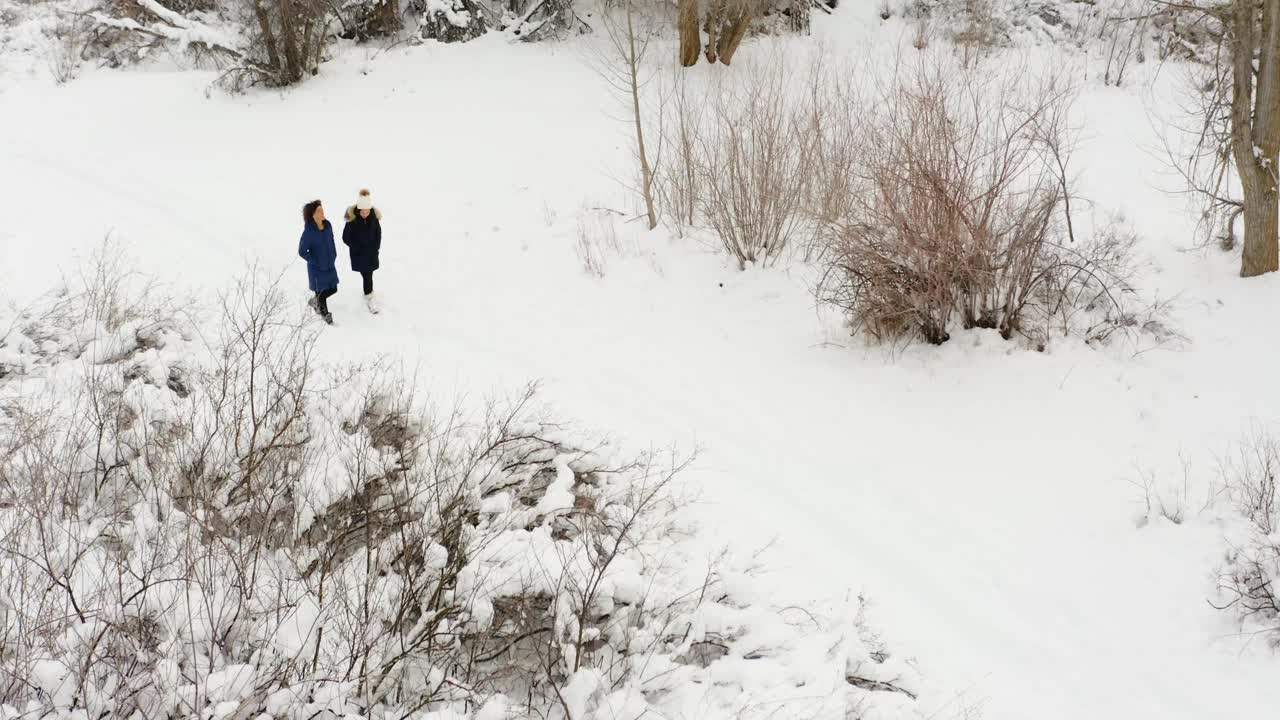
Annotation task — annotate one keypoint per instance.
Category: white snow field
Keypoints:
(982, 495)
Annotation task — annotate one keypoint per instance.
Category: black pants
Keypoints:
(367, 276)
(322, 300)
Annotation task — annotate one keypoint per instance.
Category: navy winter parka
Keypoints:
(317, 248)
(364, 237)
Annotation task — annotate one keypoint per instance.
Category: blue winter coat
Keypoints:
(317, 248)
(364, 237)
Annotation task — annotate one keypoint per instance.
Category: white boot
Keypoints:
(371, 303)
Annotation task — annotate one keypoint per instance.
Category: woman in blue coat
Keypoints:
(363, 234)
(317, 248)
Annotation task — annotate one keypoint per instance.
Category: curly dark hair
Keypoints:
(309, 211)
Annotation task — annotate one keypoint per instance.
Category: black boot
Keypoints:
(322, 306)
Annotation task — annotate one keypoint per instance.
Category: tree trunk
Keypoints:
(731, 36)
(1255, 129)
(289, 39)
(633, 73)
(268, 35)
(1261, 225)
(690, 36)
(390, 16)
(713, 23)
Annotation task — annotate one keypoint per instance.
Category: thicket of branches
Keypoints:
(936, 194)
(737, 158)
(216, 524)
(1248, 582)
(959, 212)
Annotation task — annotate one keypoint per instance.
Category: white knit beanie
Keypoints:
(364, 201)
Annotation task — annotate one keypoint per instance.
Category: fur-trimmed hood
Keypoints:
(351, 214)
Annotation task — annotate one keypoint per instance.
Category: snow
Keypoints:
(559, 496)
(980, 494)
(231, 684)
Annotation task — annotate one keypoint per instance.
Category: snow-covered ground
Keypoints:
(980, 494)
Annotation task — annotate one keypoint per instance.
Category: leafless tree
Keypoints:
(1254, 39)
(1239, 125)
(624, 69)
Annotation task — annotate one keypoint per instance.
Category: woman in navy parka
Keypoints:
(317, 248)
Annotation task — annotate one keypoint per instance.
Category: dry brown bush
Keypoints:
(957, 209)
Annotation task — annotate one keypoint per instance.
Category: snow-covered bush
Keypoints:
(127, 31)
(199, 519)
(275, 42)
(535, 20)
(365, 19)
(1248, 582)
(449, 20)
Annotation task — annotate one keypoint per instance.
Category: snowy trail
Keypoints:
(980, 495)
(1032, 582)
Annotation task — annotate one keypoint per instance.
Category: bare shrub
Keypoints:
(979, 30)
(834, 103)
(1172, 501)
(596, 241)
(752, 156)
(1251, 480)
(1248, 582)
(677, 182)
(920, 36)
(66, 49)
(958, 210)
(1123, 32)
